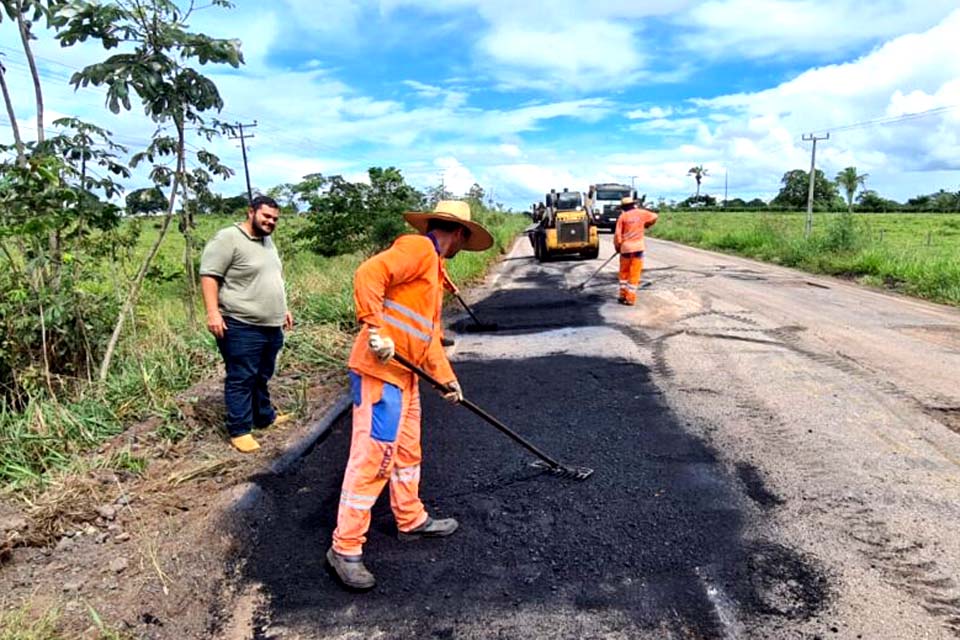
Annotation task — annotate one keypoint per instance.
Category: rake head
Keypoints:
(563, 471)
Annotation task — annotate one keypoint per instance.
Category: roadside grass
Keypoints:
(916, 254)
(161, 355)
(26, 623)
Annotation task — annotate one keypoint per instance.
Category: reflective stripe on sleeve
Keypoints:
(407, 311)
(400, 324)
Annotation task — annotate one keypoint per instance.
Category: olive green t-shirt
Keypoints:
(251, 287)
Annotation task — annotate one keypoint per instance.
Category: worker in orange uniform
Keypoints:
(398, 295)
(629, 243)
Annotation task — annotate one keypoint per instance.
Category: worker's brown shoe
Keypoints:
(430, 529)
(350, 570)
(446, 342)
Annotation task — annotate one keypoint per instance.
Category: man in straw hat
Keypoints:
(398, 295)
(629, 243)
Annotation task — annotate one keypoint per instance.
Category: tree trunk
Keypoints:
(17, 140)
(131, 300)
(186, 222)
(53, 239)
(25, 39)
(698, 189)
(185, 228)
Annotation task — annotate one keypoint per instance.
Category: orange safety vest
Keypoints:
(400, 292)
(628, 237)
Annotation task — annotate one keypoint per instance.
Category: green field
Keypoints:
(916, 254)
(161, 354)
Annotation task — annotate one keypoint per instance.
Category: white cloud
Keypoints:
(457, 179)
(581, 56)
(762, 28)
(652, 112)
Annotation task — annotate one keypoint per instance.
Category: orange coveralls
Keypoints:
(399, 291)
(629, 242)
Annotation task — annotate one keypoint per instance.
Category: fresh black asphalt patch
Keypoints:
(652, 543)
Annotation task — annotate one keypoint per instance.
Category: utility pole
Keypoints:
(243, 148)
(633, 186)
(808, 228)
(724, 188)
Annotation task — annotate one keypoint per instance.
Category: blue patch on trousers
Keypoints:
(356, 387)
(386, 414)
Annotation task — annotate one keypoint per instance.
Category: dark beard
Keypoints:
(260, 231)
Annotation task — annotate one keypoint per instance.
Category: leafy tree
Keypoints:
(475, 196)
(849, 180)
(870, 201)
(757, 203)
(51, 200)
(148, 201)
(695, 202)
(389, 196)
(699, 173)
(435, 194)
(796, 185)
(158, 72)
(285, 196)
(354, 216)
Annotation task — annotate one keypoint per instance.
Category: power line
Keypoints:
(890, 119)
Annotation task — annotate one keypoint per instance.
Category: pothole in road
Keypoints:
(948, 416)
(784, 582)
(628, 541)
(755, 486)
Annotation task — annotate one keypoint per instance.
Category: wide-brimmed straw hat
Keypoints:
(627, 201)
(454, 211)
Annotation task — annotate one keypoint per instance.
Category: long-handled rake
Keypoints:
(477, 326)
(544, 462)
(583, 284)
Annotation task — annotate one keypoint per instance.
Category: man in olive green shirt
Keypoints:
(242, 282)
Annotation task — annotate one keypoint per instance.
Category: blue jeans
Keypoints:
(250, 355)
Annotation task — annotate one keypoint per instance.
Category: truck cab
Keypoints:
(603, 203)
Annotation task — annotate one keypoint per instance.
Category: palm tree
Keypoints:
(698, 172)
(850, 180)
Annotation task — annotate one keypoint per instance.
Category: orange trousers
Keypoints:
(631, 267)
(385, 447)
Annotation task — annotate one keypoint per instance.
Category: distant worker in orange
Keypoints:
(398, 295)
(629, 243)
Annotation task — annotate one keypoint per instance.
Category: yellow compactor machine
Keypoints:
(563, 227)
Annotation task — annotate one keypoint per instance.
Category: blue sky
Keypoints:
(527, 96)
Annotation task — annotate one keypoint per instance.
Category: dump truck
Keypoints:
(563, 228)
(603, 203)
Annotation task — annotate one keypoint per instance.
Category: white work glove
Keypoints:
(453, 393)
(381, 347)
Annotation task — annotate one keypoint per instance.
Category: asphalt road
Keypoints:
(775, 457)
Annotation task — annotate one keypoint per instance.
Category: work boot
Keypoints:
(245, 443)
(350, 570)
(447, 342)
(430, 529)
